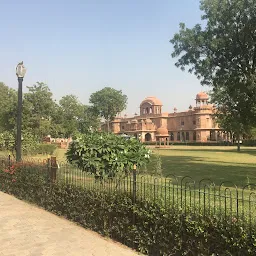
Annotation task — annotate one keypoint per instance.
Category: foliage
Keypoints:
(76, 117)
(7, 141)
(42, 115)
(143, 225)
(154, 166)
(30, 143)
(223, 55)
(47, 149)
(8, 102)
(107, 103)
(106, 155)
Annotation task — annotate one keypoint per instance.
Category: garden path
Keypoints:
(26, 230)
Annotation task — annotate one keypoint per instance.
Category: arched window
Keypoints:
(148, 137)
(182, 136)
(171, 136)
(194, 136)
(187, 136)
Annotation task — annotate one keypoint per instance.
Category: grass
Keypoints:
(216, 163)
(199, 162)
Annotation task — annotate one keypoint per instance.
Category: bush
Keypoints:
(143, 225)
(47, 149)
(189, 143)
(107, 155)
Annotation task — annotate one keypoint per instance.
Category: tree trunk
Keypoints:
(108, 126)
(238, 144)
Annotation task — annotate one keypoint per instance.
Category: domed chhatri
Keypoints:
(162, 131)
(152, 100)
(151, 105)
(202, 96)
(195, 124)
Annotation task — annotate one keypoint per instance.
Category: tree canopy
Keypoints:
(108, 102)
(42, 115)
(222, 54)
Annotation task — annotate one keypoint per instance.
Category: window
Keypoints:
(182, 122)
(194, 122)
(122, 127)
(194, 136)
(182, 136)
(178, 136)
(187, 135)
(171, 136)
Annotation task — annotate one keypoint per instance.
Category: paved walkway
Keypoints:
(26, 230)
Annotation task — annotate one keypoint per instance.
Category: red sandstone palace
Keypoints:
(197, 124)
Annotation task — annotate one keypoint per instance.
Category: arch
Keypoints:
(183, 136)
(212, 136)
(171, 136)
(187, 136)
(148, 137)
(178, 136)
(194, 136)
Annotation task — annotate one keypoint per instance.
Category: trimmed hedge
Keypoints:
(156, 230)
(214, 143)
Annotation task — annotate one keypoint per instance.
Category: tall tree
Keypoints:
(72, 111)
(8, 108)
(38, 107)
(108, 102)
(223, 55)
(76, 117)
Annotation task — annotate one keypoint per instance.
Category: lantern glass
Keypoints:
(20, 70)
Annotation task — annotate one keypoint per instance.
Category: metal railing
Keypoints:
(201, 198)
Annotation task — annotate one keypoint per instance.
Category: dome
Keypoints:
(162, 132)
(148, 121)
(202, 96)
(152, 100)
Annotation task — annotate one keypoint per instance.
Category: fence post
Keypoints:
(9, 160)
(134, 192)
(49, 168)
(54, 168)
(134, 184)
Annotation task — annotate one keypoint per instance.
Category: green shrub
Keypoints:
(106, 155)
(47, 149)
(191, 143)
(143, 225)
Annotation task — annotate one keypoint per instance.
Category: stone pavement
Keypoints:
(26, 230)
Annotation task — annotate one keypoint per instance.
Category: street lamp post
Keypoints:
(20, 72)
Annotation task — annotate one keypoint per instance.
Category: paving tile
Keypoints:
(30, 231)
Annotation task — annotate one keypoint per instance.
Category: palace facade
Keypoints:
(197, 124)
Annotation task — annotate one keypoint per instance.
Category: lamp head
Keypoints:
(20, 70)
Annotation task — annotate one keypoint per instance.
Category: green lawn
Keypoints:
(199, 162)
(216, 163)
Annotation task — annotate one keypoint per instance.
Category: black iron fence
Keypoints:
(201, 198)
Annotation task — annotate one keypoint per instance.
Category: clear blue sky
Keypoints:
(79, 47)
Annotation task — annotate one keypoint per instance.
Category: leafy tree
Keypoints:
(38, 107)
(107, 103)
(72, 111)
(89, 121)
(106, 155)
(8, 108)
(76, 117)
(223, 55)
